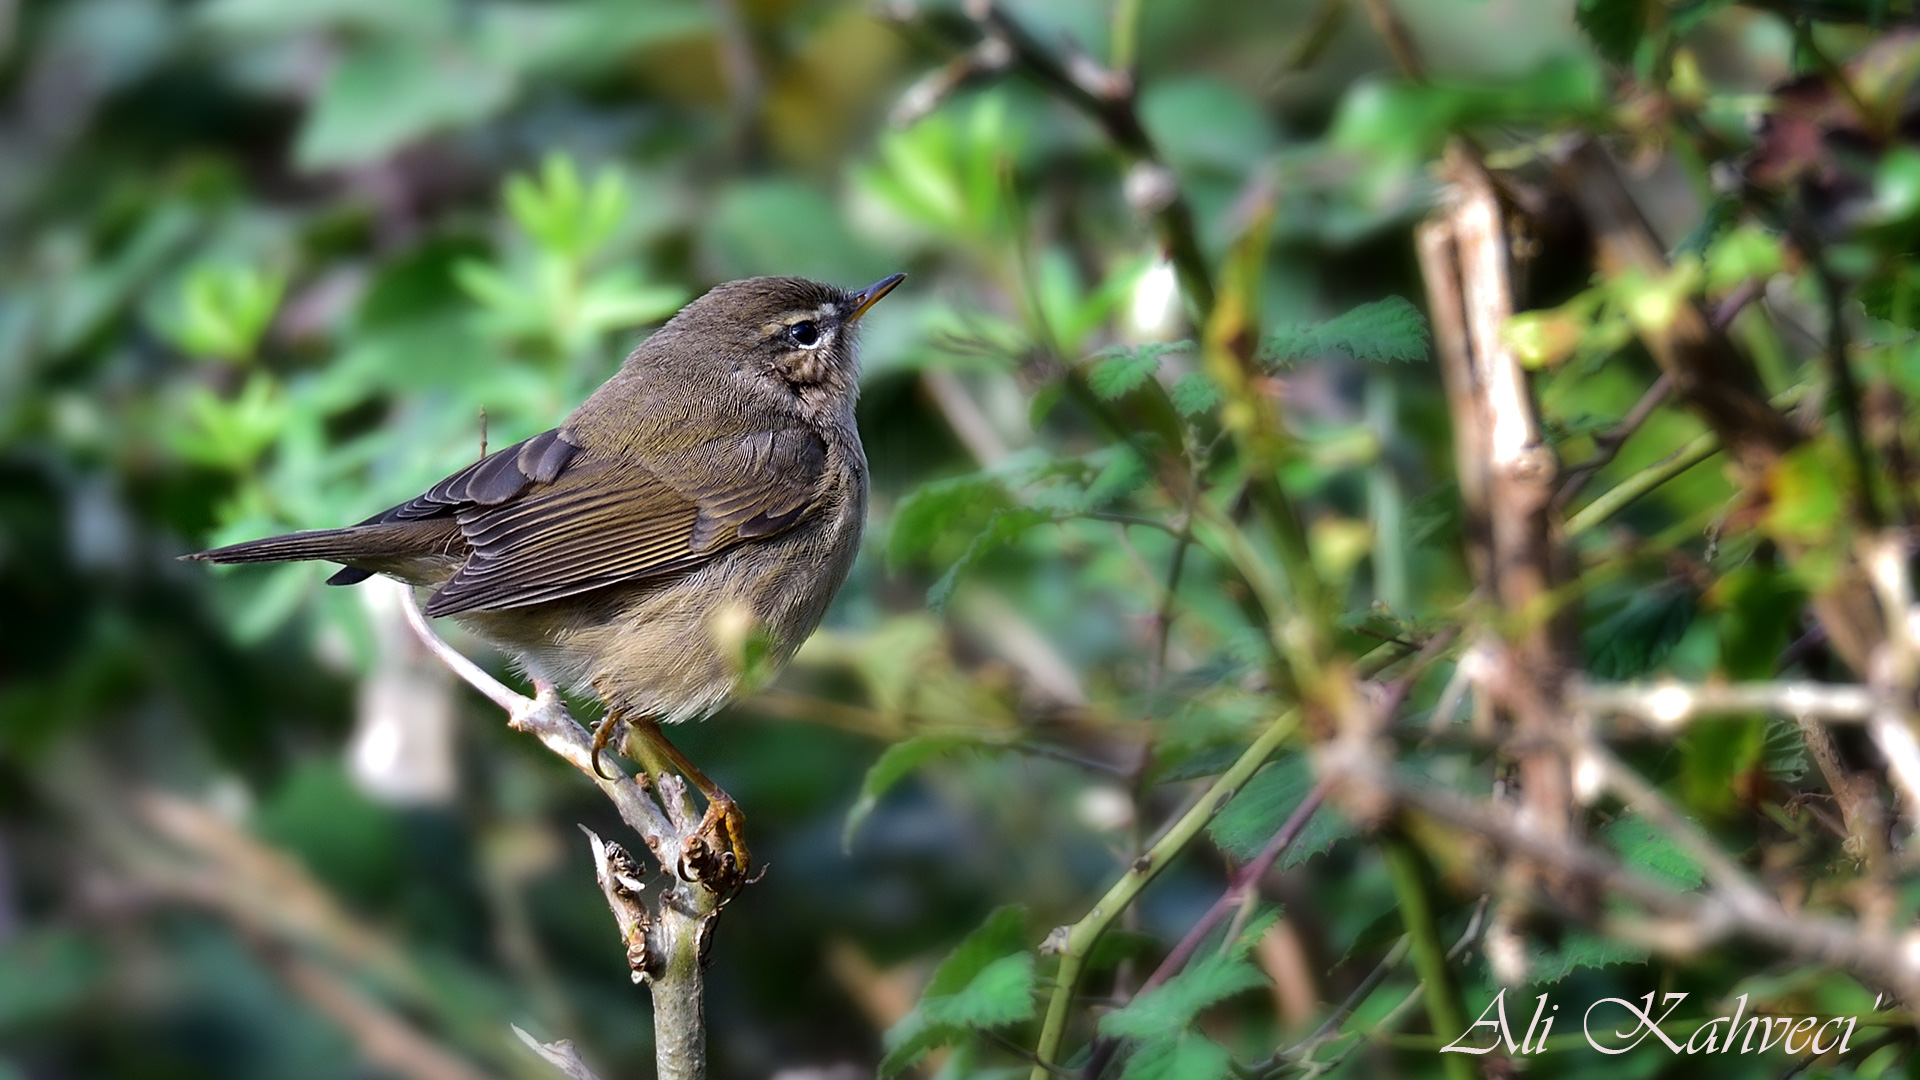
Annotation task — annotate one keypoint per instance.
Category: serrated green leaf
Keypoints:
(1190, 1056)
(978, 959)
(1173, 1005)
(1784, 755)
(1116, 373)
(1635, 639)
(1652, 851)
(1195, 394)
(1581, 948)
(1383, 331)
(1243, 828)
(894, 765)
(1002, 993)
(1643, 847)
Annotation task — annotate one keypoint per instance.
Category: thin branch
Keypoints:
(1608, 443)
(668, 949)
(1677, 924)
(1629, 491)
(1107, 97)
(1443, 997)
(560, 1054)
(1669, 705)
(1244, 881)
(1075, 942)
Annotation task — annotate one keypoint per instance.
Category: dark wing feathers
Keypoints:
(492, 480)
(545, 520)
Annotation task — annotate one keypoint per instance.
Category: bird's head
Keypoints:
(792, 332)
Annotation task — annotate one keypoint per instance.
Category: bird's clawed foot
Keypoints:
(718, 855)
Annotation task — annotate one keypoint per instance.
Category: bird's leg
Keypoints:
(723, 820)
(602, 735)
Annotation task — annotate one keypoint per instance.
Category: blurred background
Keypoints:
(270, 265)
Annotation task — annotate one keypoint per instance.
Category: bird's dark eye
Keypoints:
(805, 333)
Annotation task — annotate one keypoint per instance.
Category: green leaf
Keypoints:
(1385, 330)
(1001, 994)
(223, 311)
(1003, 528)
(895, 764)
(1195, 394)
(1784, 754)
(937, 508)
(1636, 638)
(1117, 372)
(1614, 26)
(980, 980)
(561, 212)
(387, 92)
(1173, 1005)
(1652, 851)
(1582, 948)
(1120, 369)
(1645, 848)
(1247, 823)
(1806, 504)
(1189, 1056)
(1206, 123)
(1125, 473)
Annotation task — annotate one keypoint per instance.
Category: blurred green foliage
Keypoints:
(279, 265)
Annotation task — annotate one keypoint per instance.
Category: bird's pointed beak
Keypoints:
(871, 295)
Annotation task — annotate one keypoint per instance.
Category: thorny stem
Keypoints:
(1075, 942)
(1238, 890)
(1429, 956)
(1629, 491)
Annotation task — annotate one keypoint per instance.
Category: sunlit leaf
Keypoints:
(1384, 330)
(1186, 1056)
(986, 981)
(1265, 803)
(1174, 1004)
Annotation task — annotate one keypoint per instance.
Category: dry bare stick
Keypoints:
(560, 1054)
(1675, 923)
(1508, 476)
(1894, 669)
(1671, 705)
(669, 951)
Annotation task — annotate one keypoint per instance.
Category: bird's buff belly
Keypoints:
(674, 649)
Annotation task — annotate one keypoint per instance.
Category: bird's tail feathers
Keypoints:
(335, 545)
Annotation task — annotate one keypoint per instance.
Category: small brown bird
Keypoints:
(709, 496)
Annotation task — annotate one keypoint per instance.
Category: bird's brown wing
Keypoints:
(539, 531)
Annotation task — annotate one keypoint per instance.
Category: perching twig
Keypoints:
(667, 948)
